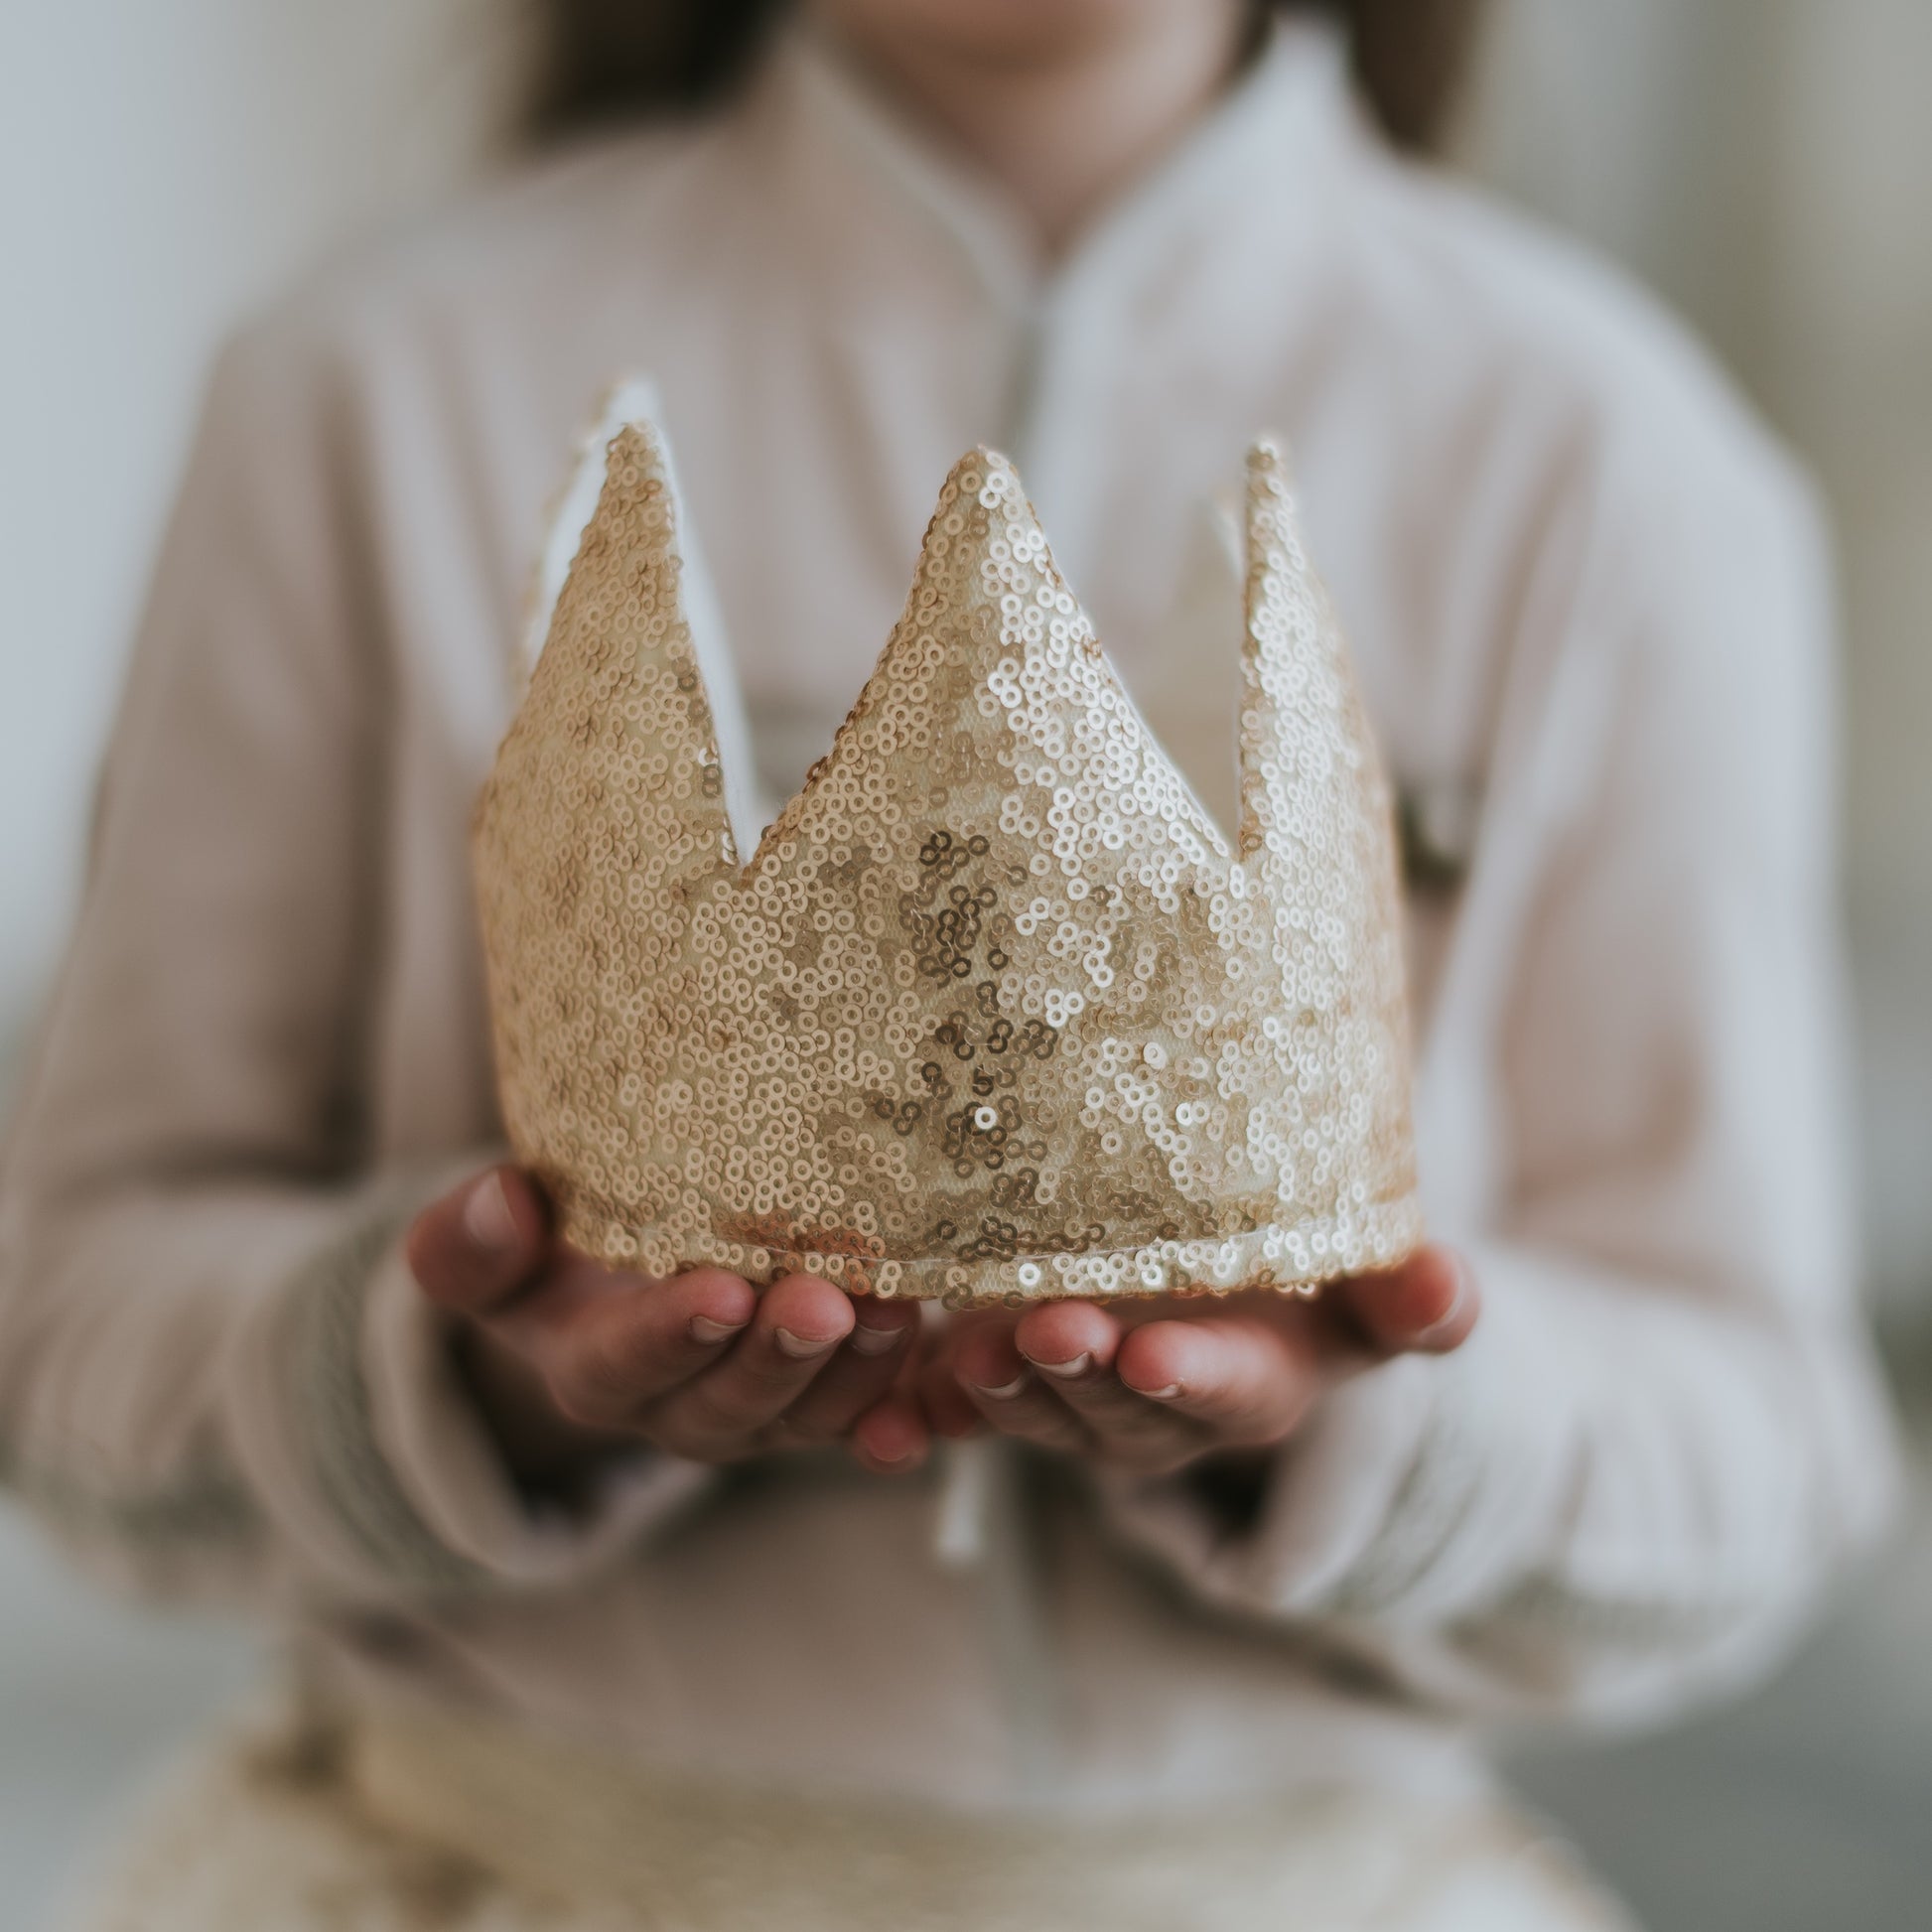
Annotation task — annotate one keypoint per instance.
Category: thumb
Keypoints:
(1425, 1306)
(473, 1249)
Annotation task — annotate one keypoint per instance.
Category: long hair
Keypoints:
(604, 61)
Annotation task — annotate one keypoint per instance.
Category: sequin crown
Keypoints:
(993, 1010)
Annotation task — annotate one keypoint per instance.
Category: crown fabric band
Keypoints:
(993, 1010)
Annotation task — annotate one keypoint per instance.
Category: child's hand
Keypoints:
(570, 1359)
(1153, 1385)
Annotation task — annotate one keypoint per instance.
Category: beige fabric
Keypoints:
(423, 1822)
(993, 1010)
(1590, 622)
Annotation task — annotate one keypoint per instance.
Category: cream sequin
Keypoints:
(993, 1010)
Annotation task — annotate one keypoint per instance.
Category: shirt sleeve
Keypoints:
(216, 1377)
(1667, 1432)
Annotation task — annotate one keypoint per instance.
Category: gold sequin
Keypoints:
(993, 1012)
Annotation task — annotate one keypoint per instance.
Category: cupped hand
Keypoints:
(570, 1359)
(1153, 1385)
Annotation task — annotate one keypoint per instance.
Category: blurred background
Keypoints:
(1766, 165)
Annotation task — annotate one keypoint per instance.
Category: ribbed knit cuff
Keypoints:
(351, 1413)
(1410, 1496)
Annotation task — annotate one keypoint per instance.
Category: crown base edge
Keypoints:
(1298, 1258)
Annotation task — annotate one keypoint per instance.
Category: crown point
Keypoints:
(641, 443)
(628, 437)
(1267, 457)
(1274, 520)
(1300, 706)
(989, 479)
(1270, 478)
(633, 403)
(982, 468)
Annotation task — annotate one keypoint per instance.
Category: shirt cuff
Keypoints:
(1411, 1496)
(447, 1465)
(352, 1410)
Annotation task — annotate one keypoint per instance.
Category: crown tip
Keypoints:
(630, 416)
(643, 442)
(1268, 460)
(626, 415)
(632, 400)
(1271, 489)
(990, 475)
(630, 437)
(983, 459)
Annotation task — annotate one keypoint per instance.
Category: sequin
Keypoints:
(993, 1011)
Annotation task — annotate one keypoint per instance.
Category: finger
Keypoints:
(949, 1409)
(800, 1321)
(481, 1243)
(1002, 1386)
(892, 1438)
(1427, 1305)
(1074, 1346)
(609, 1344)
(864, 1367)
(1242, 1377)
(1066, 1340)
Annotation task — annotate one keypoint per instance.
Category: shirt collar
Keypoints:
(1266, 143)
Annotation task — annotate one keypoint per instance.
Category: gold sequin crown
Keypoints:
(993, 1010)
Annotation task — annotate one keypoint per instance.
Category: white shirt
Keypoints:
(1591, 619)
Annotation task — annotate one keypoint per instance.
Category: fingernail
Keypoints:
(874, 1341)
(1161, 1395)
(1065, 1371)
(708, 1332)
(1437, 1329)
(801, 1348)
(1007, 1391)
(486, 1216)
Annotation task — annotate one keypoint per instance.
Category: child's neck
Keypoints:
(1063, 132)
